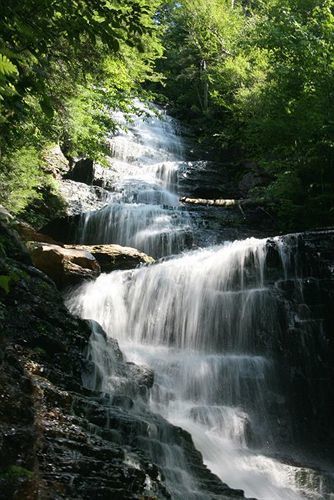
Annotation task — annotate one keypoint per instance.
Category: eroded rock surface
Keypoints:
(55, 162)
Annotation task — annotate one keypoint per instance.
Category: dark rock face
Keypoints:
(305, 345)
(207, 179)
(59, 438)
(29, 233)
(11, 243)
(82, 171)
(62, 228)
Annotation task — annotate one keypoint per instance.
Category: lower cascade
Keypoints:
(209, 322)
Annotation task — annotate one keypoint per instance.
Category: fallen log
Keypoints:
(226, 203)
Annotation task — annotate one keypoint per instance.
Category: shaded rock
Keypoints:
(207, 179)
(62, 229)
(82, 171)
(29, 233)
(251, 180)
(11, 243)
(5, 216)
(300, 276)
(115, 257)
(251, 175)
(65, 266)
(49, 446)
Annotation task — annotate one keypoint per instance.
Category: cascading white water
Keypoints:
(200, 320)
(143, 211)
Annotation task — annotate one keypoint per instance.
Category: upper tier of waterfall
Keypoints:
(143, 211)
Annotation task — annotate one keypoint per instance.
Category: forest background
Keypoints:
(253, 79)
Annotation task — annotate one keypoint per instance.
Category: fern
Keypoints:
(7, 68)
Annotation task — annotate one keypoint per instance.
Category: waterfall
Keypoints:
(204, 320)
(143, 212)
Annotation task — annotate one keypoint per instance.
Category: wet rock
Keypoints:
(104, 177)
(80, 197)
(143, 375)
(66, 267)
(48, 446)
(304, 345)
(113, 257)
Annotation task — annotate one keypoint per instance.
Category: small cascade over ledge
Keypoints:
(217, 325)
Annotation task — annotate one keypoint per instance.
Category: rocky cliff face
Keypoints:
(59, 438)
(305, 346)
(299, 278)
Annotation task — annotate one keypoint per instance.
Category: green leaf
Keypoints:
(6, 66)
(4, 282)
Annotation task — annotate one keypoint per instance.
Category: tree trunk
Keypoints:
(205, 86)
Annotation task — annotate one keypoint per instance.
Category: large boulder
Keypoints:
(114, 257)
(82, 171)
(105, 177)
(65, 266)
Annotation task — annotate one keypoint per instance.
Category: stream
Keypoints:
(204, 318)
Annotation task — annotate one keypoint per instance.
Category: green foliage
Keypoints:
(4, 283)
(20, 177)
(257, 77)
(6, 280)
(16, 472)
(43, 39)
(63, 65)
(87, 123)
